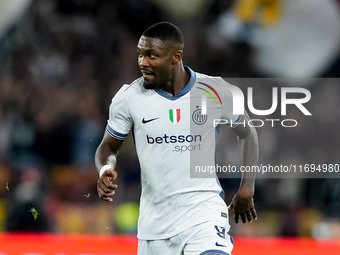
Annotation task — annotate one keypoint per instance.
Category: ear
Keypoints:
(177, 56)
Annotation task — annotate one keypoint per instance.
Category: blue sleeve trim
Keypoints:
(239, 118)
(217, 252)
(236, 122)
(115, 134)
(232, 240)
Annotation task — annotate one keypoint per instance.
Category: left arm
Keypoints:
(242, 203)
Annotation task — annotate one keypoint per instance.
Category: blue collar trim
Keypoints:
(185, 90)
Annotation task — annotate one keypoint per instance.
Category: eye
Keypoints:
(152, 55)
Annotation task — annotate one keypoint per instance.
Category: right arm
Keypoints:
(119, 125)
(106, 156)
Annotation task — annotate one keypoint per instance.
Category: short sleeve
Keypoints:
(227, 106)
(120, 121)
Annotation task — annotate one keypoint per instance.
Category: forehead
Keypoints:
(149, 43)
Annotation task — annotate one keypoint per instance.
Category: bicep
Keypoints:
(243, 129)
(112, 143)
(107, 149)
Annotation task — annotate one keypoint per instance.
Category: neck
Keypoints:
(177, 83)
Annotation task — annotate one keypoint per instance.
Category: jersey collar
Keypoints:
(185, 90)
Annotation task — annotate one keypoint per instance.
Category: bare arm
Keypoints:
(242, 203)
(106, 154)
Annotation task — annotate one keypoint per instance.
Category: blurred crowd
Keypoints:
(70, 57)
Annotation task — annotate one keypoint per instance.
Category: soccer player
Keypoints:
(170, 110)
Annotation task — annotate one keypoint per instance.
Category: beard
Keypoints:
(150, 85)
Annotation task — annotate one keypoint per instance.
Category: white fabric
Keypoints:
(207, 238)
(171, 200)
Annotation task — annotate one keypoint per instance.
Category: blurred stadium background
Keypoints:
(61, 61)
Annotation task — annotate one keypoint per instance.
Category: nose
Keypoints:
(142, 61)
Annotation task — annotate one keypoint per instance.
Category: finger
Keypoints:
(108, 183)
(104, 182)
(253, 212)
(104, 196)
(248, 215)
(106, 193)
(106, 188)
(236, 216)
(102, 193)
(99, 194)
(108, 199)
(243, 218)
(109, 193)
(231, 206)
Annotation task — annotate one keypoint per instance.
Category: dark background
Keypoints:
(62, 61)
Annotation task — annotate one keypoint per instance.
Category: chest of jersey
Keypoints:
(163, 119)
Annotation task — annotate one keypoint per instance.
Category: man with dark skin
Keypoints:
(160, 62)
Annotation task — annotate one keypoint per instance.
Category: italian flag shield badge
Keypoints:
(174, 115)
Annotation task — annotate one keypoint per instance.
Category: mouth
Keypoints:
(147, 73)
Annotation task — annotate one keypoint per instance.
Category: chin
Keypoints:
(150, 85)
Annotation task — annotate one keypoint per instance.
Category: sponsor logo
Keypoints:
(221, 245)
(173, 139)
(144, 121)
(175, 115)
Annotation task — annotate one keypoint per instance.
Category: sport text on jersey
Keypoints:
(188, 142)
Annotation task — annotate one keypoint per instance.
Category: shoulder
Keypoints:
(224, 90)
(133, 86)
(128, 89)
(200, 77)
(211, 80)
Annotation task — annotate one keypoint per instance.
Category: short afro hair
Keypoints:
(165, 31)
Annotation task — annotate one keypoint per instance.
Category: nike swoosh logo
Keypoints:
(146, 121)
(221, 245)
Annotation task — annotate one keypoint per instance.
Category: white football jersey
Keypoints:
(174, 139)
